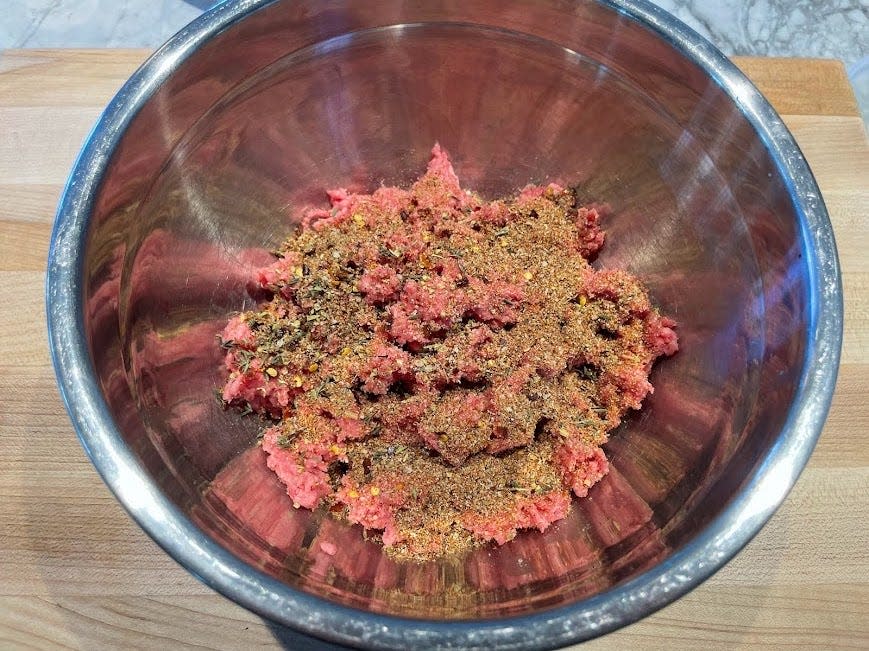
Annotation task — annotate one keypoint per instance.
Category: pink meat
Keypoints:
(342, 202)
(495, 303)
(407, 245)
(660, 336)
(614, 284)
(279, 273)
(406, 331)
(379, 284)
(414, 252)
(239, 333)
(441, 166)
(350, 429)
(435, 302)
(496, 213)
(372, 511)
(391, 199)
(388, 364)
(582, 465)
(264, 395)
(305, 477)
(590, 237)
(631, 382)
(536, 512)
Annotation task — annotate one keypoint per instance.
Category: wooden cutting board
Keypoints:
(76, 571)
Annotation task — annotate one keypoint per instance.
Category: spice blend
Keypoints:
(440, 369)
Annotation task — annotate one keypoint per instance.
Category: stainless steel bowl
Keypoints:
(196, 167)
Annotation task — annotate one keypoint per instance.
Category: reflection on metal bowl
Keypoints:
(197, 166)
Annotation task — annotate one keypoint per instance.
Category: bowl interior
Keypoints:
(300, 97)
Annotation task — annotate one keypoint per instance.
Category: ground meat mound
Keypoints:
(440, 369)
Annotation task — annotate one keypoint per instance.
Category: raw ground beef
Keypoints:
(440, 369)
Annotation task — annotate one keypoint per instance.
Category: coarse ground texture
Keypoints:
(440, 369)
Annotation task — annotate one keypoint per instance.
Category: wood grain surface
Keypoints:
(76, 572)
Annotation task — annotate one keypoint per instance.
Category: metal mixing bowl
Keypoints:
(196, 167)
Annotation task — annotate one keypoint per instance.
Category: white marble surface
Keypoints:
(91, 23)
(834, 29)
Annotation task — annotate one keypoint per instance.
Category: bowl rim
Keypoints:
(717, 543)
